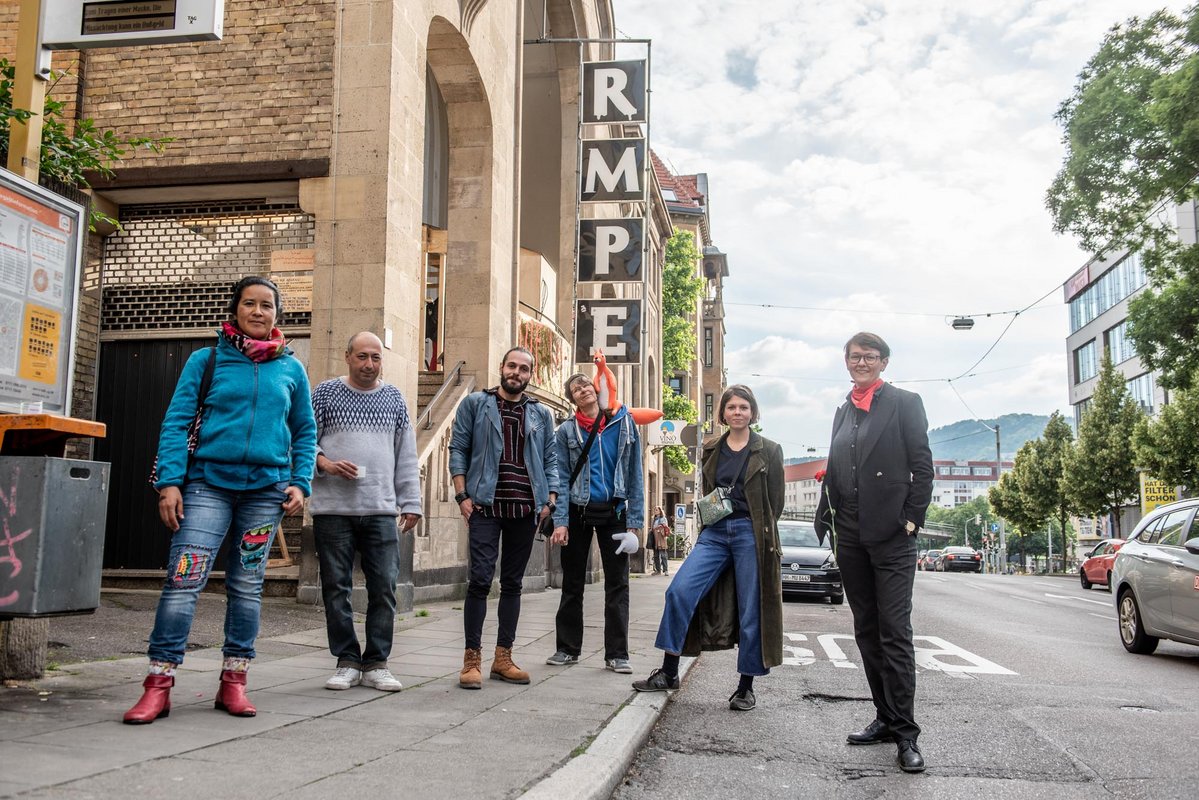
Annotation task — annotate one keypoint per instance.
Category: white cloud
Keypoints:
(878, 156)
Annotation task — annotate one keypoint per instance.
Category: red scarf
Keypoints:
(862, 398)
(586, 422)
(257, 350)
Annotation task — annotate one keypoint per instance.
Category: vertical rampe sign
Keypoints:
(612, 170)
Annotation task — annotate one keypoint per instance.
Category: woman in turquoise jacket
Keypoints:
(251, 463)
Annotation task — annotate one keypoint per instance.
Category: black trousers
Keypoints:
(878, 580)
(485, 535)
(569, 621)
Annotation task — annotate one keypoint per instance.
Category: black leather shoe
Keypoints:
(909, 756)
(743, 701)
(876, 732)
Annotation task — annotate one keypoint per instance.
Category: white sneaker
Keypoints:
(344, 678)
(381, 679)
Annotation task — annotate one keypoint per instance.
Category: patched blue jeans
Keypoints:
(728, 544)
(209, 514)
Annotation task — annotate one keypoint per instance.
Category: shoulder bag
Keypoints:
(718, 503)
(193, 427)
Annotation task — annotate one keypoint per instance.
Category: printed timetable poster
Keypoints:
(40, 252)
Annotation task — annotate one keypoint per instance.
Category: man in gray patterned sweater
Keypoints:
(366, 475)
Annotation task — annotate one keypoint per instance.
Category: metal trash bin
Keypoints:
(52, 513)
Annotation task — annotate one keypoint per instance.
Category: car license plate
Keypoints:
(798, 578)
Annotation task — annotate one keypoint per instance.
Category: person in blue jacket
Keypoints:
(607, 499)
(249, 463)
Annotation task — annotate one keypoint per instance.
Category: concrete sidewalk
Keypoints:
(570, 733)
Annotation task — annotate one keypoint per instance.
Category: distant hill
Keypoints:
(968, 440)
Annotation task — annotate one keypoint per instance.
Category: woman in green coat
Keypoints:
(728, 592)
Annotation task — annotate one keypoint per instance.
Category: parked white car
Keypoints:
(1155, 579)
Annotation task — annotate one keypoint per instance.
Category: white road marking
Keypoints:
(1079, 599)
(935, 654)
(1101, 616)
(1047, 583)
(1028, 599)
(930, 658)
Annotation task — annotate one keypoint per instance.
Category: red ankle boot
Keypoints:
(155, 702)
(231, 696)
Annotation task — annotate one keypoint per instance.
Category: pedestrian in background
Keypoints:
(248, 462)
(600, 492)
(366, 475)
(878, 485)
(728, 591)
(504, 467)
(660, 537)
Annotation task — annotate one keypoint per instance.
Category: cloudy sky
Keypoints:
(884, 162)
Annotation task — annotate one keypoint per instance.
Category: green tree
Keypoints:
(1131, 130)
(1054, 448)
(1165, 446)
(71, 148)
(676, 406)
(959, 516)
(1100, 472)
(1011, 499)
(681, 287)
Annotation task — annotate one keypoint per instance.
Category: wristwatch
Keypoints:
(551, 505)
(458, 498)
(909, 526)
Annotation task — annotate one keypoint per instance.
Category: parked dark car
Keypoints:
(1096, 568)
(809, 568)
(929, 558)
(1155, 579)
(959, 559)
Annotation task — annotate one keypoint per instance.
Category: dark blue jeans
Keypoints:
(486, 535)
(377, 542)
(728, 544)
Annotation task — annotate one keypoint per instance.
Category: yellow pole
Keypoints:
(29, 93)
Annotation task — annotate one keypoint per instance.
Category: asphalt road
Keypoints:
(1023, 691)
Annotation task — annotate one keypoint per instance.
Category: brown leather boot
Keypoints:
(471, 676)
(231, 696)
(155, 702)
(502, 668)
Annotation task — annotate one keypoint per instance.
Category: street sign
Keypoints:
(74, 25)
(680, 512)
(666, 432)
(613, 171)
(614, 91)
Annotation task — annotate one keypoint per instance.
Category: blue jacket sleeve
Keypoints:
(550, 454)
(302, 423)
(463, 432)
(635, 481)
(561, 487)
(172, 439)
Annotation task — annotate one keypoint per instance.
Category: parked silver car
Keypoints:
(1155, 579)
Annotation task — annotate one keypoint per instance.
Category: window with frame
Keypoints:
(1109, 289)
(709, 413)
(942, 470)
(1141, 388)
(983, 471)
(961, 471)
(1175, 523)
(709, 346)
(1117, 343)
(1086, 362)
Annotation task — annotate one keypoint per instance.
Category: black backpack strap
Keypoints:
(206, 379)
(583, 456)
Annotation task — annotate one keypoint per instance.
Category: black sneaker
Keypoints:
(743, 701)
(658, 681)
(562, 659)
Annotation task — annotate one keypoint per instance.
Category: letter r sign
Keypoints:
(614, 91)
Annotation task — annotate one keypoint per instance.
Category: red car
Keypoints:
(1097, 567)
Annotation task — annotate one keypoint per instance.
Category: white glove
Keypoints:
(628, 542)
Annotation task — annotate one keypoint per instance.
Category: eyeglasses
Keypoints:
(863, 358)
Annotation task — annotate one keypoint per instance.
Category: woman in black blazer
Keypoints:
(877, 487)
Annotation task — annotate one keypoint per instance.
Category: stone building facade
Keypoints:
(403, 167)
